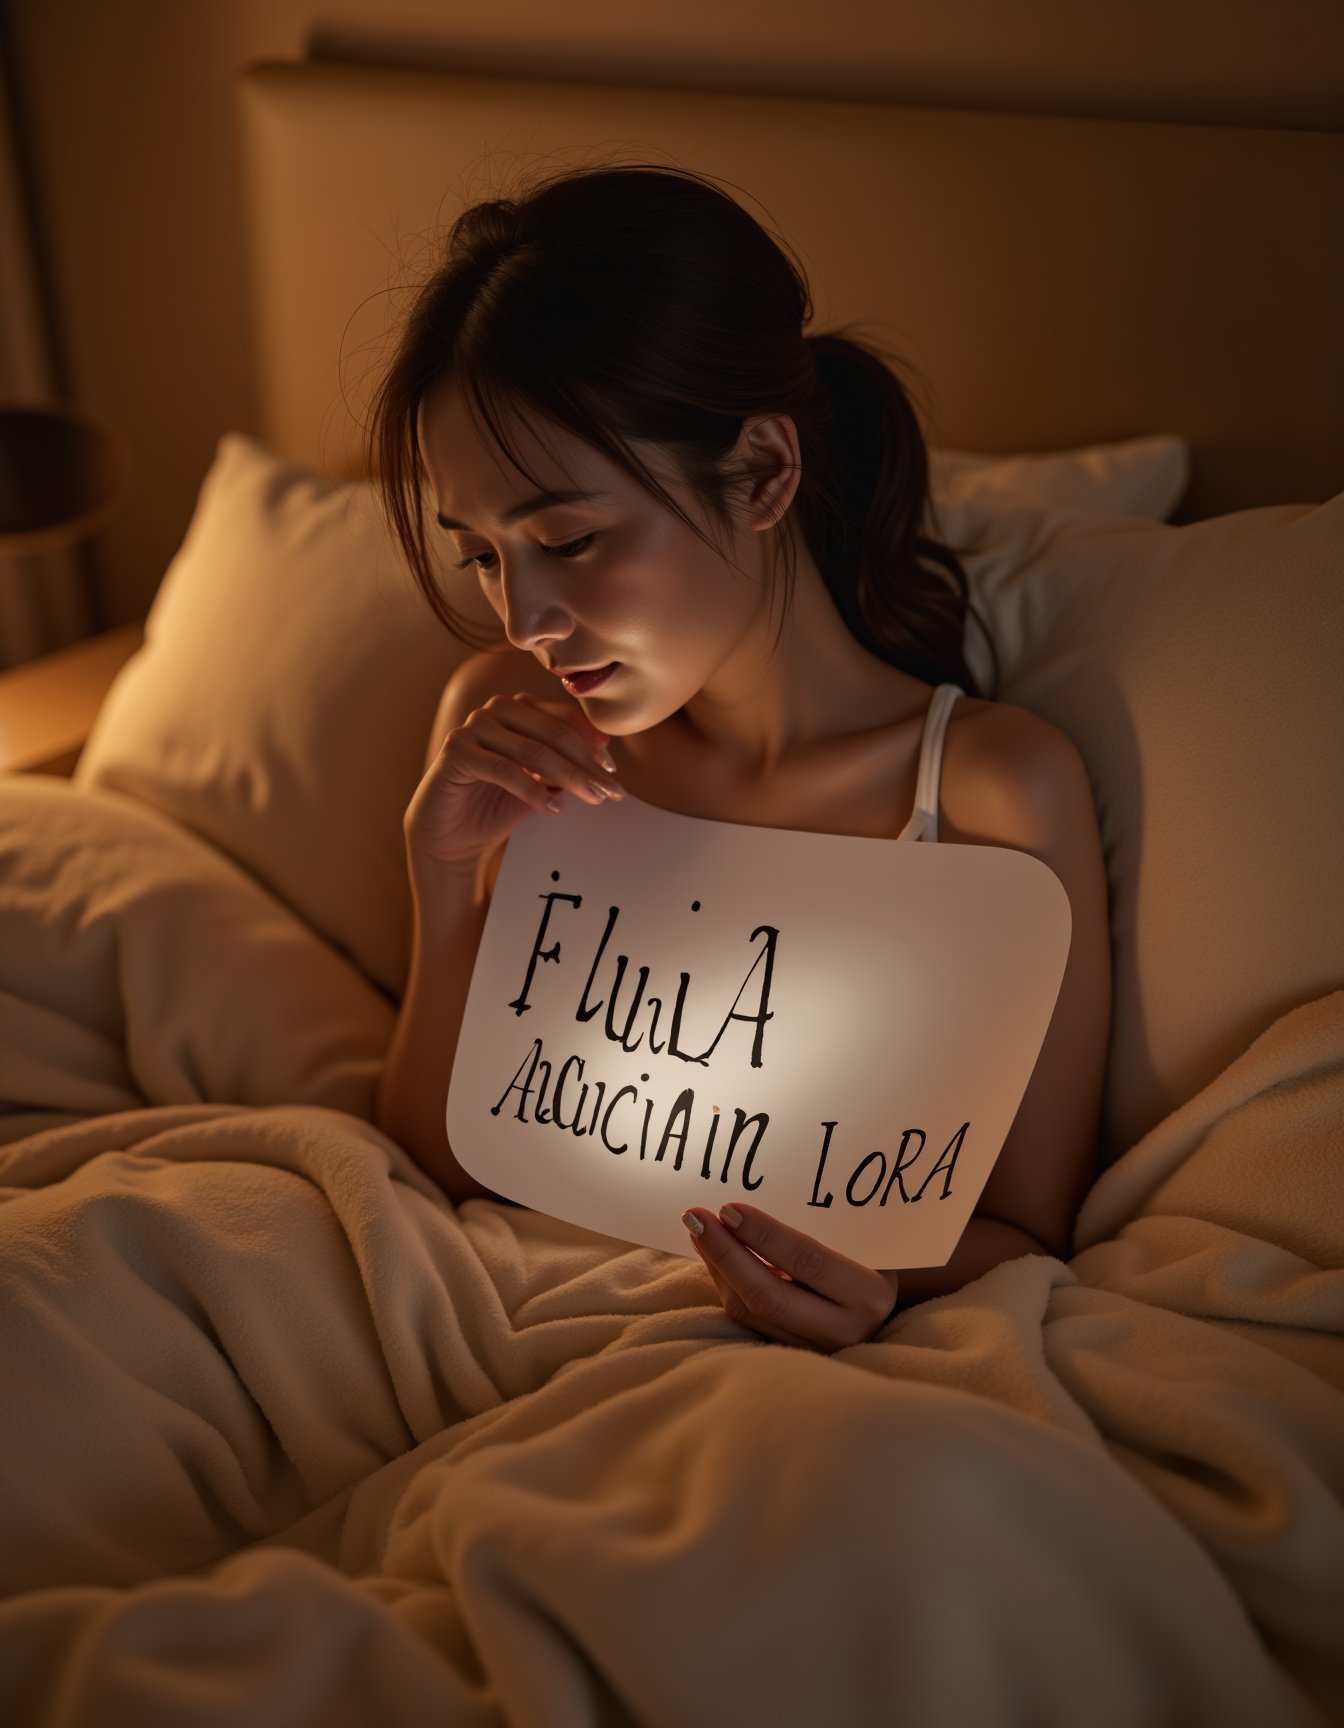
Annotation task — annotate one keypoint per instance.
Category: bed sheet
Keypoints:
(291, 1439)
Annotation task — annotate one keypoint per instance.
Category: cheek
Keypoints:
(664, 595)
(494, 598)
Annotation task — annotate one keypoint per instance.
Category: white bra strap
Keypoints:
(931, 760)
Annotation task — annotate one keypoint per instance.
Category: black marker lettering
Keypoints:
(520, 1004)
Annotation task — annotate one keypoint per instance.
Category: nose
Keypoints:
(532, 615)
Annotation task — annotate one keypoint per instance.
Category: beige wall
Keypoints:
(124, 111)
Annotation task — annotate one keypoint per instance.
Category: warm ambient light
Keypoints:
(62, 475)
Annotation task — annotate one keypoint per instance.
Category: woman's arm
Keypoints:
(449, 906)
(1037, 798)
(449, 912)
(984, 1243)
(1035, 783)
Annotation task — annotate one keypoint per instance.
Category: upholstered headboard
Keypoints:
(1052, 281)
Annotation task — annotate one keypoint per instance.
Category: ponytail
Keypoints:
(861, 505)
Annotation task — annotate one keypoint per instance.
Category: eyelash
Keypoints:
(567, 550)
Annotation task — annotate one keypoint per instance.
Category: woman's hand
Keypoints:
(506, 759)
(810, 1296)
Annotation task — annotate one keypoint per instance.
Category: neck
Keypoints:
(763, 706)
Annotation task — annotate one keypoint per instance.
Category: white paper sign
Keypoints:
(670, 1012)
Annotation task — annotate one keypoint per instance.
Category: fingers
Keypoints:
(573, 711)
(569, 711)
(778, 1280)
(517, 731)
(809, 1262)
(736, 1309)
(761, 1297)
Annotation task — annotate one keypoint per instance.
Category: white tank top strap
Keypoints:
(923, 823)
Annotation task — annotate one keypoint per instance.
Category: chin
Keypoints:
(613, 728)
(619, 725)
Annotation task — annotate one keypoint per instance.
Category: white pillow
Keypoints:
(1136, 477)
(283, 699)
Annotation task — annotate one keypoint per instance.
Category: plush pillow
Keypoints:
(281, 704)
(1136, 477)
(1197, 669)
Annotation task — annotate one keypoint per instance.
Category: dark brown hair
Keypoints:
(636, 302)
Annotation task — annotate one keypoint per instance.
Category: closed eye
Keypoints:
(570, 549)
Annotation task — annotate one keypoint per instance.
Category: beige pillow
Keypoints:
(1197, 669)
(280, 704)
(283, 699)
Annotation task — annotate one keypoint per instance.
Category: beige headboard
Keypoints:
(1053, 281)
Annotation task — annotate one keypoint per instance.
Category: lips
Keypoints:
(580, 683)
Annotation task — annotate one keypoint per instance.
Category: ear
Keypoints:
(767, 447)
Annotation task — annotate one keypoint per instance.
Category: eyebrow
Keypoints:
(528, 507)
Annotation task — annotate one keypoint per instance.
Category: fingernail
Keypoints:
(692, 1223)
(730, 1215)
(606, 761)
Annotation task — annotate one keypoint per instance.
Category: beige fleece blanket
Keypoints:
(289, 1439)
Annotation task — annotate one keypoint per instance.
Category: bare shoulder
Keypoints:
(479, 677)
(500, 672)
(1011, 778)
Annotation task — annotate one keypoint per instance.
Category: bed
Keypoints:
(291, 1439)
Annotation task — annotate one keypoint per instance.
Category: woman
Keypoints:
(661, 482)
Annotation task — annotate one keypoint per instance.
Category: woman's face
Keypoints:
(613, 577)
